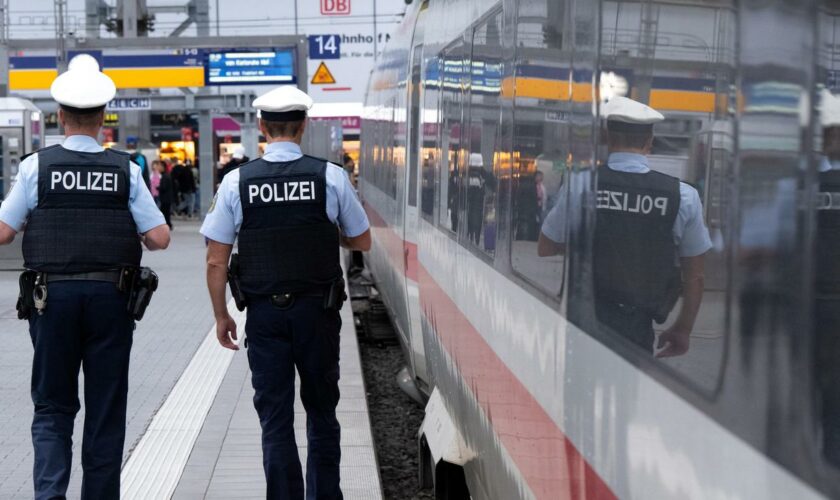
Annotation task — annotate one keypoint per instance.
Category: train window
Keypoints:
(392, 141)
(429, 155)
(649, 286)
(484, 89)
(826, 328)
(452, 74)
(414, 142)
(540, 143)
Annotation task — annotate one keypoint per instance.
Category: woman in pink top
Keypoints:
(154, 182)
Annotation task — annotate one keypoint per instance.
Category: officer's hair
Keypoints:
(85, 120)
(628, 140)
(283, 129)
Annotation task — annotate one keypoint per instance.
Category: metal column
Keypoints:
(92, 18)
(206, 159)
(130, 13)
(250, 135)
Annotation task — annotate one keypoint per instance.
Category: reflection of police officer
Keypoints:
(645, 220)
(83, 208)
(827, 305)
(478, 181)
(286, 210)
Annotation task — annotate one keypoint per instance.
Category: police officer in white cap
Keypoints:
(290, 213)
(827, 277)
(86, 211)
(650, 238)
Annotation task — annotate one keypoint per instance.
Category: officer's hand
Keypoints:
(673, 342)
(226, 333)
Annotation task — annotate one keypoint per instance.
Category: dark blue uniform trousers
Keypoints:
(85, 325)
(305, 336)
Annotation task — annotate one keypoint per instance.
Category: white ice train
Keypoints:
(529, 395)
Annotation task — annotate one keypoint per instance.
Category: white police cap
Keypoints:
(829, 109)
(476, 160)
(83, 86)
(624, 110)
(286, 103)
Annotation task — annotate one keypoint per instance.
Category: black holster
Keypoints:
(140, 283)
(233, 281)
(669, 299)
(335, 296)
(26, 298)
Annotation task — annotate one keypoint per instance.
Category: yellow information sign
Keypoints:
(323, 76)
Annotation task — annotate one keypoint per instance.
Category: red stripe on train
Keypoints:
(548, 461)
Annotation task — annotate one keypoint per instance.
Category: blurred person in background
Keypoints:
(154, 182)
(238, 158)
(165, 190)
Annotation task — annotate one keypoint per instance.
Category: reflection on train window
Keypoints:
(428, 155)
(540, 138)
(644, 60)
(452, 75)
(827, 241)
(480, 181)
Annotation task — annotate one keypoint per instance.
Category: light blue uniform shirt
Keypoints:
(343, 207)
(690, 233)
(23, 197)
(827, 165)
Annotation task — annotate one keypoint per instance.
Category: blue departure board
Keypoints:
(255, 66)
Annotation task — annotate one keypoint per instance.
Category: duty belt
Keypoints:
(109, 276)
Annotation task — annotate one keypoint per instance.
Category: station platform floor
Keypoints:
(192, 431)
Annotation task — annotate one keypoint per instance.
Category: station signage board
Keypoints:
(254, 66)
(130, 104)
(335, 7)
(324, 47)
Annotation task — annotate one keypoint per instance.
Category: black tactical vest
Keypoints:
(828, 238)
(287, 243)
(635, 261)
(82, 222)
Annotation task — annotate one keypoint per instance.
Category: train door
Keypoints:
(415, 149)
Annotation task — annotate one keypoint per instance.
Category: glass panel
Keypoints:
(649, 268)
(414, 95)
(452, 87)
(485, 87)
(827, 238)
(540, 141)
(431, 129)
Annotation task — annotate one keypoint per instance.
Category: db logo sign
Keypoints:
(335, 7)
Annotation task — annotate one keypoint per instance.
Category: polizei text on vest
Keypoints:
(633, 203)
(77, 180)
(272, 192)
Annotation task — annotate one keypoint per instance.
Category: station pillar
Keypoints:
(250, 135)
(207, 160)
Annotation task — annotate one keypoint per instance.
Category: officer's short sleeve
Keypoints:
(225, 213)
(23, 197)
(145, 213)
(554, 225)
(344, 207)
(692, 234)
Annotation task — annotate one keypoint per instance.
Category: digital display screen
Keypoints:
(262, 66)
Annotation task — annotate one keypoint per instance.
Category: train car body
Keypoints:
(468, 102)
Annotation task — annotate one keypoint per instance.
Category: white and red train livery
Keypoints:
(483, 114)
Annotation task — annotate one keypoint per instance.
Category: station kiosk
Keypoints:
(21, 133)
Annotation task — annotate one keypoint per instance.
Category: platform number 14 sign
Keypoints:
(335, 7)
(324, 47)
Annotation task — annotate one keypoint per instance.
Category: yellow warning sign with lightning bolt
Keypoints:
(323, 76)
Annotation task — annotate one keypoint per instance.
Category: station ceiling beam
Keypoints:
(237, 105)
(160, 42)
